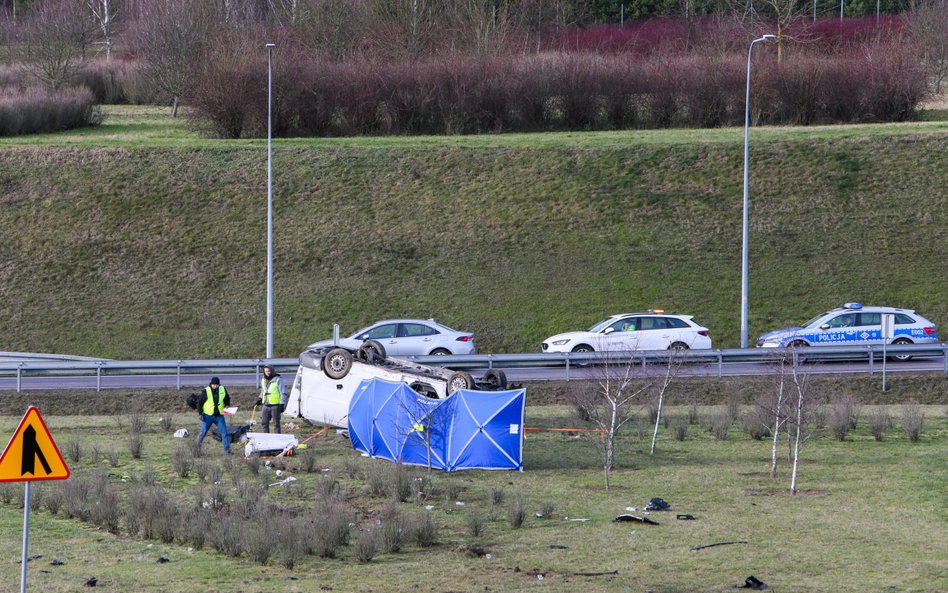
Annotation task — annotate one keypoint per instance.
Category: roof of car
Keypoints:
(869, 308)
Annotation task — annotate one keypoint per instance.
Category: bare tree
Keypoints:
(767, 14)
(481, 25)
(427, 422)
(332, 26)
(172, 37)
(775, 407)
(52, 41)
(672, 367)
(803, 400)
(928, 22)
(104, 12)
(608, 403)
(411, 23)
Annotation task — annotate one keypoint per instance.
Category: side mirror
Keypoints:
(364, 337)
(608, 330)
(825, 326)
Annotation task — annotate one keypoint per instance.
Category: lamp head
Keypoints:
(768, 37)
(271, 45)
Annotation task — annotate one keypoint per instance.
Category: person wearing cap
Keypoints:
(216, 399)
(272, 398)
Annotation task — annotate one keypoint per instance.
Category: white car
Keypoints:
(628, 332)
(854, 324)
(409, 337)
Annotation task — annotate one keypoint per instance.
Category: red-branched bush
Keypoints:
(462, 94)
(35, 110)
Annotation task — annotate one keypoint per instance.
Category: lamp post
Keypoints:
(270, 47)
(747, 99)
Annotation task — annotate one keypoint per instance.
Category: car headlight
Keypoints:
(561, 342)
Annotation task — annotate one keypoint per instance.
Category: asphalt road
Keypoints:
(737, 369)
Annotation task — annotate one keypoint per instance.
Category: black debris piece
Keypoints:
(657, 504)
(596, 574)
(163, 559)
(559, 547)
(754, 583)
(685, 517)
(30, 558)
(193, 400)
(57, 562)
(92, 582)
(235, 432)
(646, 520)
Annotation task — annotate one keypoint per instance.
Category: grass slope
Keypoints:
(141, 239)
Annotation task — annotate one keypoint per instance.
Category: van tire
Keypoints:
(496, 378)
(371, 351)
(337, 363)
(460, 380)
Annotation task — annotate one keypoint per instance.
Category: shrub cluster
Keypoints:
(461, 94)
(36, 110)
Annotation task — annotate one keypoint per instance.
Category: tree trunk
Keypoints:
(658, 419)
(796, 444)
(174, 107)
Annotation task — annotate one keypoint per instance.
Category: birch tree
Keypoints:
(608, 403)
(104, 13)
(804, 400)
(671, 368)
(52, 41)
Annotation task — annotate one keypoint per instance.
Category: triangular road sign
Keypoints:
(32, 454)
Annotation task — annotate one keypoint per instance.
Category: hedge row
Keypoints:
(555, 91)
(36, 110)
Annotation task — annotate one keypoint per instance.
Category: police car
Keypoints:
(852, 325)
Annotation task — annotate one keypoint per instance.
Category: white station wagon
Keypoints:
(628, 332)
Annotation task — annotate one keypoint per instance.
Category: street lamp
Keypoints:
(747, 99)
(270, 47)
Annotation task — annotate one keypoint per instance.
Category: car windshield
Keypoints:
(813, 322)
(601, 325)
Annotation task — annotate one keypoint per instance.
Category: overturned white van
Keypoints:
(328, 377)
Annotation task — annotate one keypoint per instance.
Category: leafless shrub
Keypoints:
(818, 417)
(355, 468)
(182, 461)
(7, 493)
(72, 448)
(424, 529)
(194, 527)
(547, 508)
(253, 464)
(200, 467)
(226, 537)
(680, 429)
(366, 545)
(291, 544)
(719, 424)
(136, 422)
(215, 473)
(328, 489)
(879, 422)
(840, 419)
(516, 512)
(651, 412)
(328, 528)
(496, 495)
(76, 498)
(95, 453)
(733, 408)
(391, 528)
(306, 461)
(166, 422)
(259, 539)
(913, 420)
(420, 488)
(474, 521)
(37, 493)
(756, 423)
(453, 490)
(151, 513)
(248, 500)
(113, 456)
(693, 414)
(135, 444)
(105, 510)
(53, 500)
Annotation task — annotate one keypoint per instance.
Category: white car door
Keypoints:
(623, 336)
(654, 333)
(386, 336)
(415, 339)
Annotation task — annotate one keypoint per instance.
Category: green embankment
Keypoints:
(138, 242)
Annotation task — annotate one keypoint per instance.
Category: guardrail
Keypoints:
(718, 357)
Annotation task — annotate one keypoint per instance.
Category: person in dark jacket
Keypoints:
(212, 412)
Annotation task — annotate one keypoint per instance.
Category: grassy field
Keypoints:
(871, 516)
(143, 239)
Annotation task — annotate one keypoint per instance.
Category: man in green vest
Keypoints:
(272, 398)
(216, 399)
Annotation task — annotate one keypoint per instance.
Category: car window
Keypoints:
(411, 330)
(381, 332)
(847, 320)
(903, 319)
(870, 319)
(624, 325)
(676, 323)
(646, 323)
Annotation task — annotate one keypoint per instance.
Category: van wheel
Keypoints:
(460, 380)
(371, 351)
(496, 378)
(337, 363)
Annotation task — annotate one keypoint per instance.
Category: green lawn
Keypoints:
(871, 517)
(143, 239)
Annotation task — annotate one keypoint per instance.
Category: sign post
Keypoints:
(31, 455)
(888, 332)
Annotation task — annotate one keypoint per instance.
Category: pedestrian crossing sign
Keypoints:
(32, 454)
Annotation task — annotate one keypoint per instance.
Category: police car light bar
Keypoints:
(852, 306)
